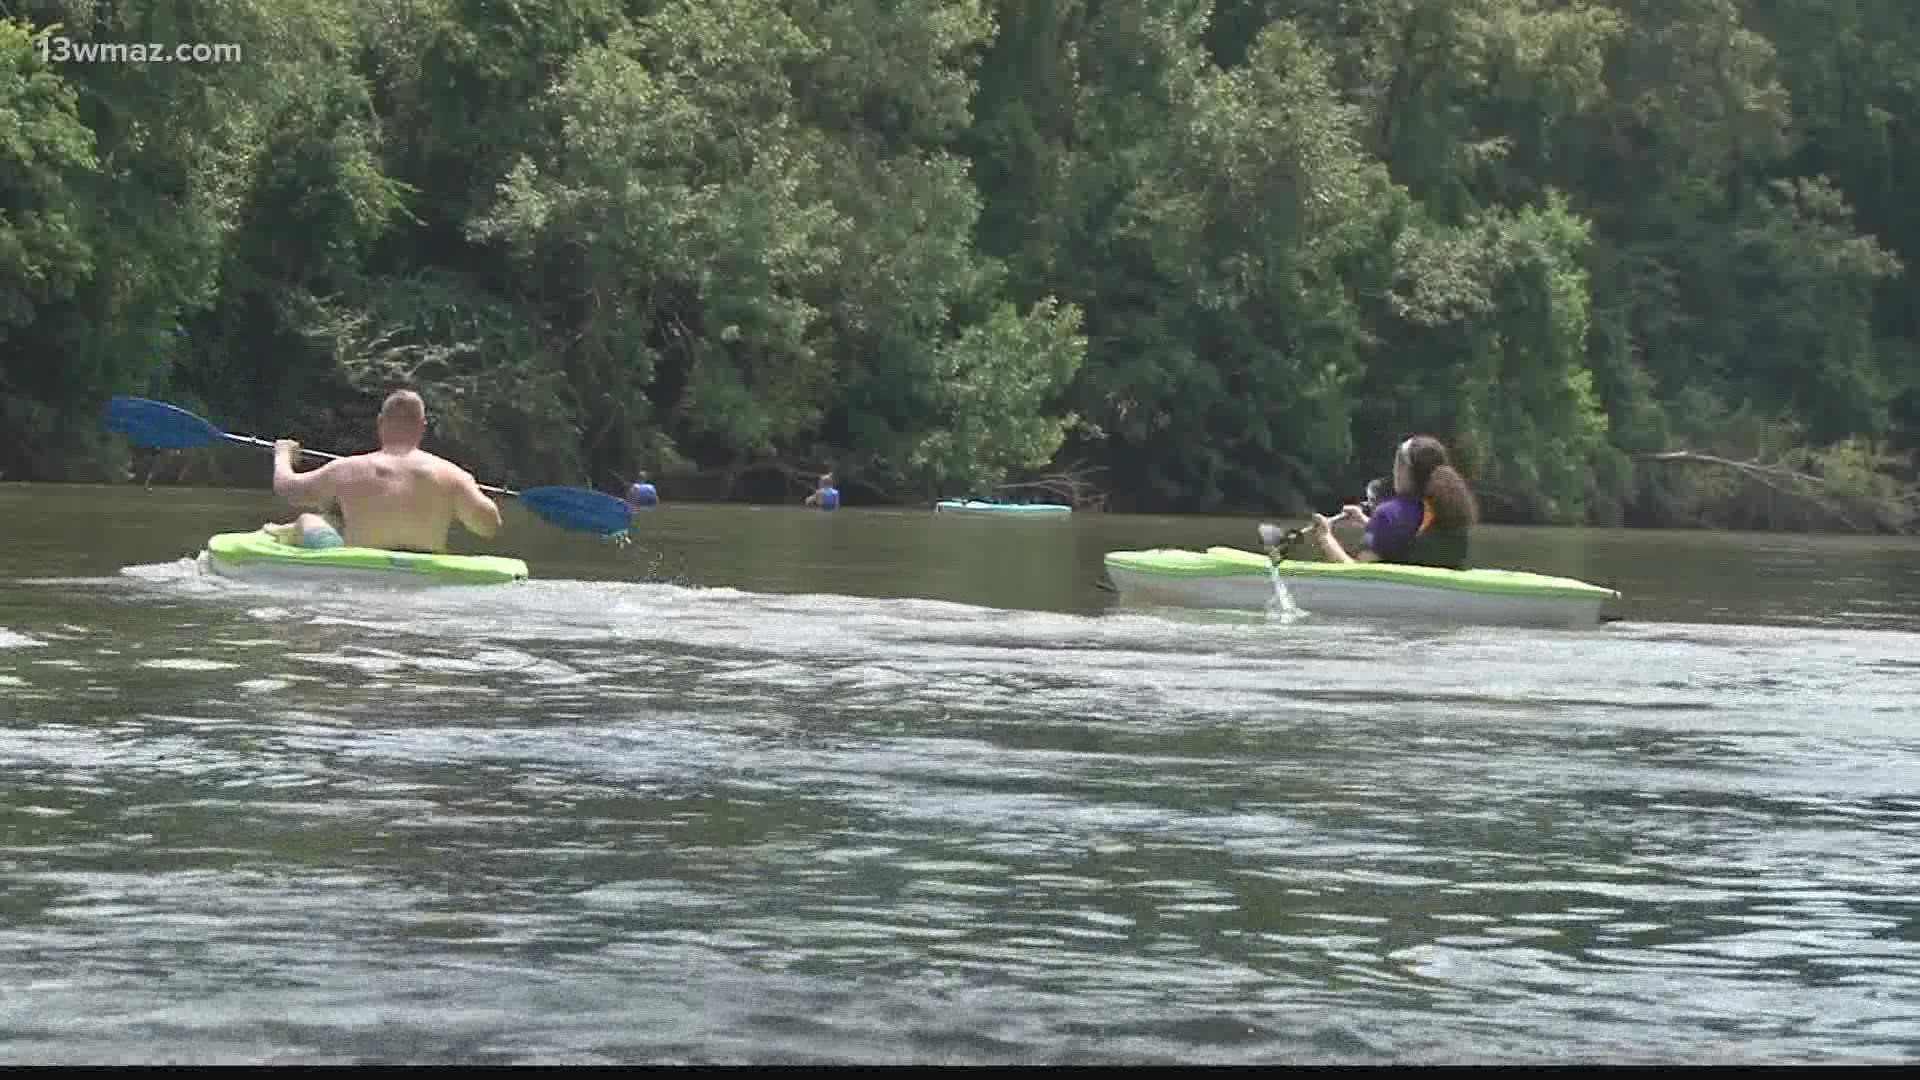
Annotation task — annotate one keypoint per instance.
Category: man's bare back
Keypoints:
(404, 500)
(397, 497)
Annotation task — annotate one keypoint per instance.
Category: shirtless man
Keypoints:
(398, 497)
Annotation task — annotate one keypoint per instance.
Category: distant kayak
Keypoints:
(256, 556)
(1228, 578)
(975, 506)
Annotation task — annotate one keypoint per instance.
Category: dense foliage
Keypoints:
(1228, 252)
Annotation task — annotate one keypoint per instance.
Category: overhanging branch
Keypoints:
(1793, 483)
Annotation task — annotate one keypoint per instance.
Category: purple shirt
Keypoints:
(1393, 525)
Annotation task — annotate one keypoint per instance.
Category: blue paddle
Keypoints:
(170, 427)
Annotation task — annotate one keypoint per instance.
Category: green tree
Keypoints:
(668, 229)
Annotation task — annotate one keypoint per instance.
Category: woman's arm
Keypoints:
(1323, 535)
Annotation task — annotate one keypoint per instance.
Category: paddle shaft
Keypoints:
(252, 440)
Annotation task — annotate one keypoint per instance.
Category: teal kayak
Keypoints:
(256, 556)
(1228, 578)
(976, 506)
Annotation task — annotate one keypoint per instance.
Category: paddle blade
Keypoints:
(578, 508)
(1280, 543)
(158, 424)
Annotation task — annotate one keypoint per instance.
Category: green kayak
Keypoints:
(256, 556)
(1223, 577)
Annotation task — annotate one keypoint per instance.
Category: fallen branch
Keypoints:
(1744, 466)
(1073, 484)
(1804, 486)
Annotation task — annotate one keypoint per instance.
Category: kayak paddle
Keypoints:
(170, 427)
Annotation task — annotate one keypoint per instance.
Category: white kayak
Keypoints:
(978, 506)
(1229, 578)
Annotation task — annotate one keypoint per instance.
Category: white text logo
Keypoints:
(65, 50)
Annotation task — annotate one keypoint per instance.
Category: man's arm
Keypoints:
(480, 514)
(310, 489)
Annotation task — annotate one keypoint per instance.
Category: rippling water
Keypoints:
(605, 822)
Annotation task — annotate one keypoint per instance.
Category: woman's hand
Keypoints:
(1352, 514)
(1322, 532)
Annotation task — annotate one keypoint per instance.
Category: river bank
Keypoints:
(1759, 499)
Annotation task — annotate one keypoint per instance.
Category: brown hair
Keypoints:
(1439, 483)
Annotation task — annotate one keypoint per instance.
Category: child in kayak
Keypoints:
(306, 531)
(1379, 490)
(1424, 523)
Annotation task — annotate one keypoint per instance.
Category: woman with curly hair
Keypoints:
(1425, 523)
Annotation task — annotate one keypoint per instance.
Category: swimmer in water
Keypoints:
(642, 494)
(825, 496)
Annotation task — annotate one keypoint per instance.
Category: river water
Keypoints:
(777, 786)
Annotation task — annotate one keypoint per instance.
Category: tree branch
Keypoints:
(1812, 489)
(1744, 466)
(1073, 483)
